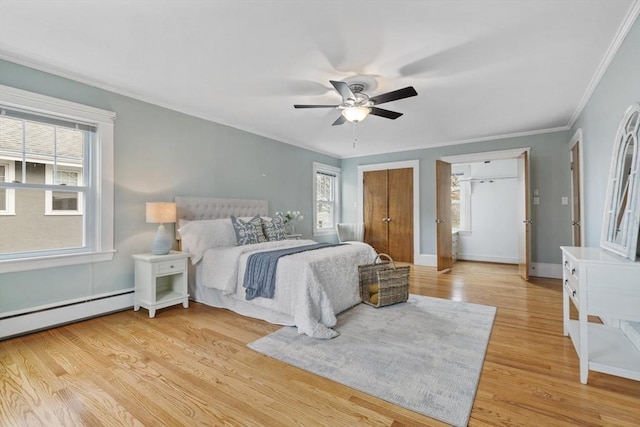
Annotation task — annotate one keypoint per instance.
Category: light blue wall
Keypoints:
(618, 88)
(160, 153)
(549, 174)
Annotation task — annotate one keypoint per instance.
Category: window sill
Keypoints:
(27, 264)
(330, 232)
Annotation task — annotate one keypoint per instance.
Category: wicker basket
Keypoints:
(391, 282)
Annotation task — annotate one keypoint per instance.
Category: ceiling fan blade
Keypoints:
(340, 120)
(343, 89)
(387, 114)
(314, 106)
(394, 95)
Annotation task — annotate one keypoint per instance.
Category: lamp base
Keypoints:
(161, 244)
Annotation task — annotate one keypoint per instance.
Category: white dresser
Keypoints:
(602, 284)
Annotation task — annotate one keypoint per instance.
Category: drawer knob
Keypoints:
(573, 271)
(566, 263)
(171, 266)
(573, 293)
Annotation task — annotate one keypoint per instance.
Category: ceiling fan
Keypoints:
(356, 105)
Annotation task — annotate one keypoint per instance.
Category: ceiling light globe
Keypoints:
(355, 114)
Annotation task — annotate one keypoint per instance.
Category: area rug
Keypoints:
(425, 355)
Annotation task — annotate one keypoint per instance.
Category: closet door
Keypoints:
(388, 212)
(400, 217)
(443, 216)
(375, 210)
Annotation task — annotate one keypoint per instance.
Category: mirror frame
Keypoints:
(629, 223)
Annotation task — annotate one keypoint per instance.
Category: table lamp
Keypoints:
(161, 213)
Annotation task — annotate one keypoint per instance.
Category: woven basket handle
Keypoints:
(393, 264)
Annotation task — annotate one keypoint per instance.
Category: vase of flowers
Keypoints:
(288, 217)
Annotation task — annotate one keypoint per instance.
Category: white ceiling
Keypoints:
(482, 68)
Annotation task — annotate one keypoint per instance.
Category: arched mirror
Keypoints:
(621, 222)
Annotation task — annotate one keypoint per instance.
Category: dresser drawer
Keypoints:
(570, 267)
(170, 267)
(573, 286)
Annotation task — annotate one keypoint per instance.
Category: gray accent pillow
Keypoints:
(274, 229)
(248, 232)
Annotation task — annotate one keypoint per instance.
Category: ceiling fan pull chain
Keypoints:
(354, 135)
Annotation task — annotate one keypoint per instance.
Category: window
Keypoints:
(63, 202)
(455, 201)
(7, 196)
(461, 198)
(326, 185)
(56, 173)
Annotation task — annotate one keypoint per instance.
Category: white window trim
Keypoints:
(101, 231)
(320, 167)
(10, 194)
(48, 195)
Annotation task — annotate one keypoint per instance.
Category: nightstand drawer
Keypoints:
(170, 267)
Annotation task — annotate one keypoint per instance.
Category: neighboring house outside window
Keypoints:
(59, 202)
(326, 184)
(7, 196)
(61, 157)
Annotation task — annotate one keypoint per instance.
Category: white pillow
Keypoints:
(198, 236)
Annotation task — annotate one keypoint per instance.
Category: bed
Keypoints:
(311, 287)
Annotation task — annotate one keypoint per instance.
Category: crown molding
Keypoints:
(627, 23)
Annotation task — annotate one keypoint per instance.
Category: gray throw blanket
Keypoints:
(260, 275)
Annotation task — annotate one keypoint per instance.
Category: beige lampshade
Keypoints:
(161, 212)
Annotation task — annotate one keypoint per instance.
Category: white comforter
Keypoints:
(311, 287)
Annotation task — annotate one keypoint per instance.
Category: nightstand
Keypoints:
(161, 281)
(294, 236)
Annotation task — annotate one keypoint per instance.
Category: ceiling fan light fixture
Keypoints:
(356, 114)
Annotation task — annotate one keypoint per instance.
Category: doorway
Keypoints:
(575, 160)
(518, 182)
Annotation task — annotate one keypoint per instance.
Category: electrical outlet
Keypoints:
(565, 201)
(536, 200)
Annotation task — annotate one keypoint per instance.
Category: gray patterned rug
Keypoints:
(425, 355)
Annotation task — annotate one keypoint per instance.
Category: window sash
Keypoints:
(327, 200)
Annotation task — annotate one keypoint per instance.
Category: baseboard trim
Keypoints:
(64, 312)
(480, 258)
(541, 269)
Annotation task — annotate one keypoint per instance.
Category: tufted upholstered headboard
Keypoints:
(199, 208)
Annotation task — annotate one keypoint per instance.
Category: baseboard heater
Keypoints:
(34, 319)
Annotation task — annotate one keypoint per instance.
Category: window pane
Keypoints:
(30, 229)
(455, 201)
(324, 187)
(69, 145)
(325, 215)
(11, 136)
(62, 201)
(3, 192)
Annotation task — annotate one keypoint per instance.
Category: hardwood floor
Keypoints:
(188, 367)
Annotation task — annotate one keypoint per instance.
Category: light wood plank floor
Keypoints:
(192, 367)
